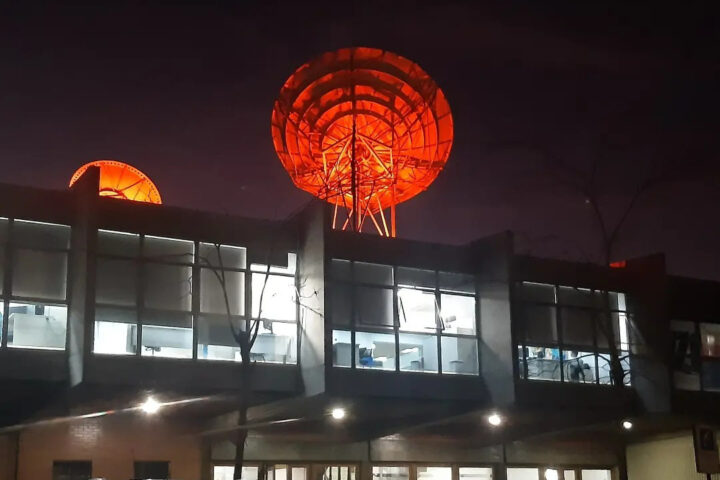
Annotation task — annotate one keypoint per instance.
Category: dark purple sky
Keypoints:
(184, 92)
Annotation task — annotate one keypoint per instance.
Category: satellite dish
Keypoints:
(122, 181)
(363, 129)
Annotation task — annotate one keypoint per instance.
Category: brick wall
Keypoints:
(113, 444)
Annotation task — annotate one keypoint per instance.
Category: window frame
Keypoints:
(559, 307)
(7, 296)
(196, 265)
(352, 325)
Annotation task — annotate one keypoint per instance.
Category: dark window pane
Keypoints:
(229, 256)
(168, 249)
(537, 323)
(116, 281)
(456, 282)
(341, 304)
(577, 326)
(374, 306)
(580, 297)
(212, 294)
(168, 286)
(535, 292)
(118, 243)
(373, 273)
(340, 269)
(39, 274)
(72, 470)
(40, 235)
(415, 278)
(711, 376)
(152, 470)
(618, 324)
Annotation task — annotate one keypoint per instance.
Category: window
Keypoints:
(475, 473)
(286, 472)
(154, 470)
(72, 470)
(552, 473)
(434, 473)
(696, 355)
(274, 304)
(523, 474)
(339, 472)
(387, 472)
(117, 291)
(153, 292)
(35, 307)
(596, 475)
(403, 319)
(222, 472)
(563, 333)
(375, 350)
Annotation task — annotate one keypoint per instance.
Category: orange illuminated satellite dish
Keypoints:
(363, 129)
(122, 181)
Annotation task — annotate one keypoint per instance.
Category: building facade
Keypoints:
(450, 362)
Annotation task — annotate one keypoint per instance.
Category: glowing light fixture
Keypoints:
(627, 424)
(495, 419)
(338, 413)
(150, 406)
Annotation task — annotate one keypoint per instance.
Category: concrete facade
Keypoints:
(396, 416)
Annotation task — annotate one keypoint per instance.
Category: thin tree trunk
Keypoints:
(616, 370)
(243, 405)
(240, 439)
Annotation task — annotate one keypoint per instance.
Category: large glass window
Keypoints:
(225, 472)
(34, 325)
(274, 305)
(34, 309)
(696, 355)
(404, 319)
(475, 473)
(339, 472)
(434, 473)
(563, 333)
(152, 292)
(390, 472)
(117, 293)
(686, 355)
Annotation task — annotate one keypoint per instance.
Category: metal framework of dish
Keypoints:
(363, 129)
(122, 181)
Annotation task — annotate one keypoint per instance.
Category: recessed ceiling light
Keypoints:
(494, 419)
(337, 413)
(150, 406)
(627, 424)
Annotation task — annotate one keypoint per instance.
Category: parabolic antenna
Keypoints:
(363, 129)
(122, 181)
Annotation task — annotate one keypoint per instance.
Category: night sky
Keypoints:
(184, 92)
